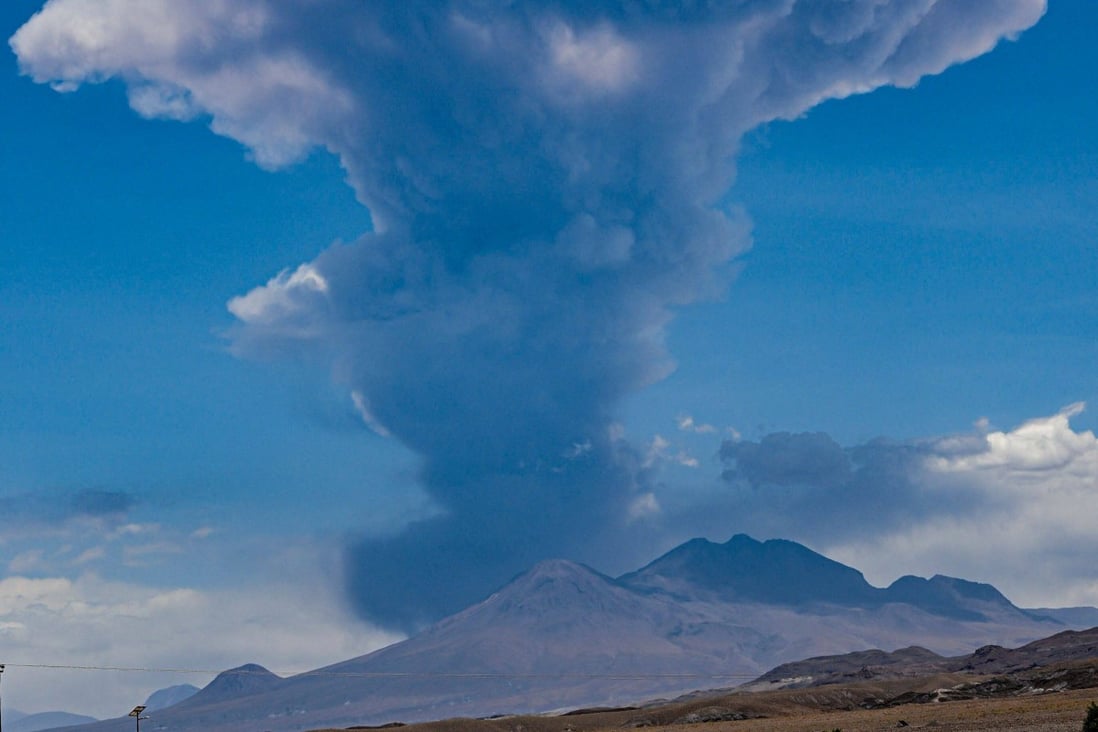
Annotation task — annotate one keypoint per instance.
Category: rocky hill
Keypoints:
(1062, 648)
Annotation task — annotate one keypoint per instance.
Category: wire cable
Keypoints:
(388, 674)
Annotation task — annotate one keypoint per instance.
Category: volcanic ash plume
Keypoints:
(546, 181)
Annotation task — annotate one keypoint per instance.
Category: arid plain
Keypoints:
(798, 712)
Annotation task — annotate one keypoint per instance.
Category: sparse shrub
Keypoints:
(1090, 724)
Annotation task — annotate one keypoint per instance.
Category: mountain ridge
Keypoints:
(742, 569)
(1064, 647)
(563, 635)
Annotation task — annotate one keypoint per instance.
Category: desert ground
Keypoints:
(821, 709)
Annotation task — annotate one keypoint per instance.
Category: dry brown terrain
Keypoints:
(1055, 712)
(1042, 686)
(819, 709)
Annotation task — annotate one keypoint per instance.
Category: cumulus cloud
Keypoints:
(286, 301)
(1007, 507)
(544, 181)
(167, 52)
(1037, 447)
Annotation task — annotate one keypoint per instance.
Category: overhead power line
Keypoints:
(365, 674)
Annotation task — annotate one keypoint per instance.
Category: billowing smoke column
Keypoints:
(546, 182)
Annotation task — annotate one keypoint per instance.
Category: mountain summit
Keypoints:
(251, 678)
(745, 570)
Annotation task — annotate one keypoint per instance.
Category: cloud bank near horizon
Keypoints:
(985, 505)
(87, 620)
(547, 186)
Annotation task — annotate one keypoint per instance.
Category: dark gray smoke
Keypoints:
(546, 181)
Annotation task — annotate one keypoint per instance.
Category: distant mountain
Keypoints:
(1065, 647)
(950, 597)
(246, 680)
(786, 573)
(13, 715)
(44, 720)
(164, 698)
(562, 635)
(1075, 617)
(745, 570)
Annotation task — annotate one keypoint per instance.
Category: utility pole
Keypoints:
(1, 701)
(136, 714)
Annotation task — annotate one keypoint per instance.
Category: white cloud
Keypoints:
(643, 506)
(1037, 446)
(134, 529)
(686, 460)
(659, 451)
(598, 60)
(80, 544)
(687, 423)
(171, 54)
(142, 555)
(578, 449)
(91, 554)
(91, 621)
(285, 296)
(265, 75)
(362, 407)
(1027, 523)
(656, 450)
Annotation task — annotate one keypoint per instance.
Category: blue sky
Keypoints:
(920, 268)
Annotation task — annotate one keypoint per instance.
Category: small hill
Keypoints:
(852, 667)
(236, 683)
(1062, 648)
